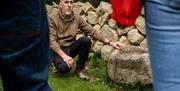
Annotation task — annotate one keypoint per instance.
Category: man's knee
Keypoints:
(85, 41)
(63, 68)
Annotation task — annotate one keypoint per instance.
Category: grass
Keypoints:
(1, 89)
(71, 83)
(99, 79)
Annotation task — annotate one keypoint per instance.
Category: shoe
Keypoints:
(81, 74)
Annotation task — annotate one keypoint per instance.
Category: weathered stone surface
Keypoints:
(140, 24)
(112, 23)
(142, 11)
(97, 46)
(87, 7)
(77, 8)
(103, 19)
(109, 33)
(123, 39)
(104, 7)
(55, 5)
(97, 28)
(130, 66)
(106, 51)
(49, 9)
(92, 17)
(124, 31)
(143, 43)
(80, 4)
(135, 37)
(84, 17)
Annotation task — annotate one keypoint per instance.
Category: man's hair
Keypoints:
(61, 0)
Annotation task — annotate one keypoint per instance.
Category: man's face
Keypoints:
(66, 6)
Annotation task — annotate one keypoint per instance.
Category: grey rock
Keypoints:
(140, 24)
(80, 4)
(77, 9)
(104, 7)
(123, 39)
(143, 43)
(87, 7)
(92, 17)
(130, 66)
(49, 9)
(109, 33)
(97, 46)
(124, 31)
(112, 23)
(97, 28)
(135, 37)
(84, 17)
(142, 11)
(106, 51)
(55, 5)
(103, 19)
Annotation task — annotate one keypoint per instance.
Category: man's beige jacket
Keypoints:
(63, 29)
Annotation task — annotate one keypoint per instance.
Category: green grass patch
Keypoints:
(70, 82)
(1, 89)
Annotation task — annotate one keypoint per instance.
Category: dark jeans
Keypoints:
(24, 63)
(80, 47)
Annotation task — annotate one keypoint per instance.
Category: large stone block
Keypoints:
(130, 65)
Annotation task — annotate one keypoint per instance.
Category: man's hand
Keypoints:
(69, 61)
(117, 45)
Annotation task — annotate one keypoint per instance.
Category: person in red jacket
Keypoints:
(125, 12)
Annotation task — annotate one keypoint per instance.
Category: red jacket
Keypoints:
(125, 12)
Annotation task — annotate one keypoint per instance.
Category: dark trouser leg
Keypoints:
(60, 65)
(80, 47)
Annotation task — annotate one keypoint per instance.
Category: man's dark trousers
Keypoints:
(80, 47)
